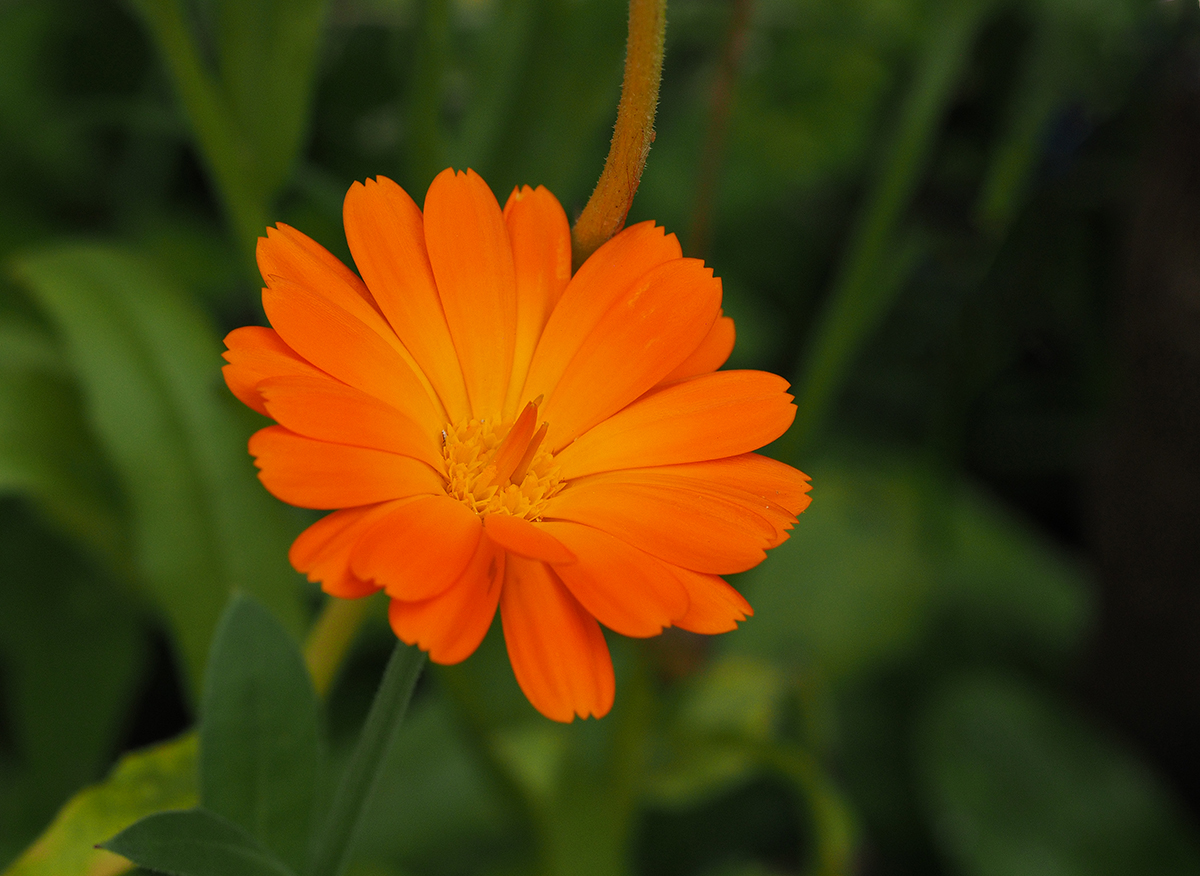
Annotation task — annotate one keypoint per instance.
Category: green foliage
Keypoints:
(250, 113)
(72, 653)
(148, 781)
(260, 747)
(1016, 782)
(195, 842)
(145, 357)
(895, 552)
(260, 759)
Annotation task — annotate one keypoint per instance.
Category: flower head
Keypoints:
(497, 433)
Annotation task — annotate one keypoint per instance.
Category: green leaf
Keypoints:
(194, 842)
(439, 810)
(851, 585)
(260, 747)
(887, 549)
(250, 115)
(552, 77)
(146, 360)
(161, 777)
(1005, 584)
(48, 455)
(72, 654)
(267, 57)
(1016, 783)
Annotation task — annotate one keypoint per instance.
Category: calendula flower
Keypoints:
(495, 432)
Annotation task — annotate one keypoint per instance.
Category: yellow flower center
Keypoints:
(501, 469)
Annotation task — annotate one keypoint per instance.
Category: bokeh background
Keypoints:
(968, 231)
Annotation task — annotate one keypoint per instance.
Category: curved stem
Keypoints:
(335, 842)
(604, 214)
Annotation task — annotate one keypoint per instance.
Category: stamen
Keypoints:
(494, 470)
(518, 474)
(512, 450)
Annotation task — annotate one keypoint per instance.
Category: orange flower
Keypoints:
(498, 433)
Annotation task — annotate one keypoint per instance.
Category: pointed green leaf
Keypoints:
(147, 362)
(259, 738)
(161, 777)
(194, 842)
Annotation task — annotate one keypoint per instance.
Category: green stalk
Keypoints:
(335, 841)
(877, 264)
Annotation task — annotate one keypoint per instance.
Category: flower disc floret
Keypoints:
(470, 449)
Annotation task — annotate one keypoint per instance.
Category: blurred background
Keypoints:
(968, 231)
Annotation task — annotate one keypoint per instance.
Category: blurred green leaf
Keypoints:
(1017, 784)
(1006, 584)
(161, 777)
(72, 652)
(881, 253)
(194, 842)
(887, 547)
(267, 54)
(549, 118)
(47, 453)
(851, 585)
(147, 362)
(260, 747)
(714, 730)
(250, 114)
(436, 807)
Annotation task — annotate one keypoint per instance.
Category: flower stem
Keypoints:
(604, 214)
(362, 774)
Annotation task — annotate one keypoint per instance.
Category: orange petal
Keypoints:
(689, 528)
(644, 336)
(472, 261)
(715, 606)
(317, 474)
(768, 491)
(598, 283)
(322, 552)
(776, 491)
(541, 244)
(624, 588)
(356, 352)
(712, 353)
(451, 625)
(557, 650)
(712, 416)
(255, 353)
(527, 539)
(386, 233)
(419, 548)
(293, 255)
(323, 408)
